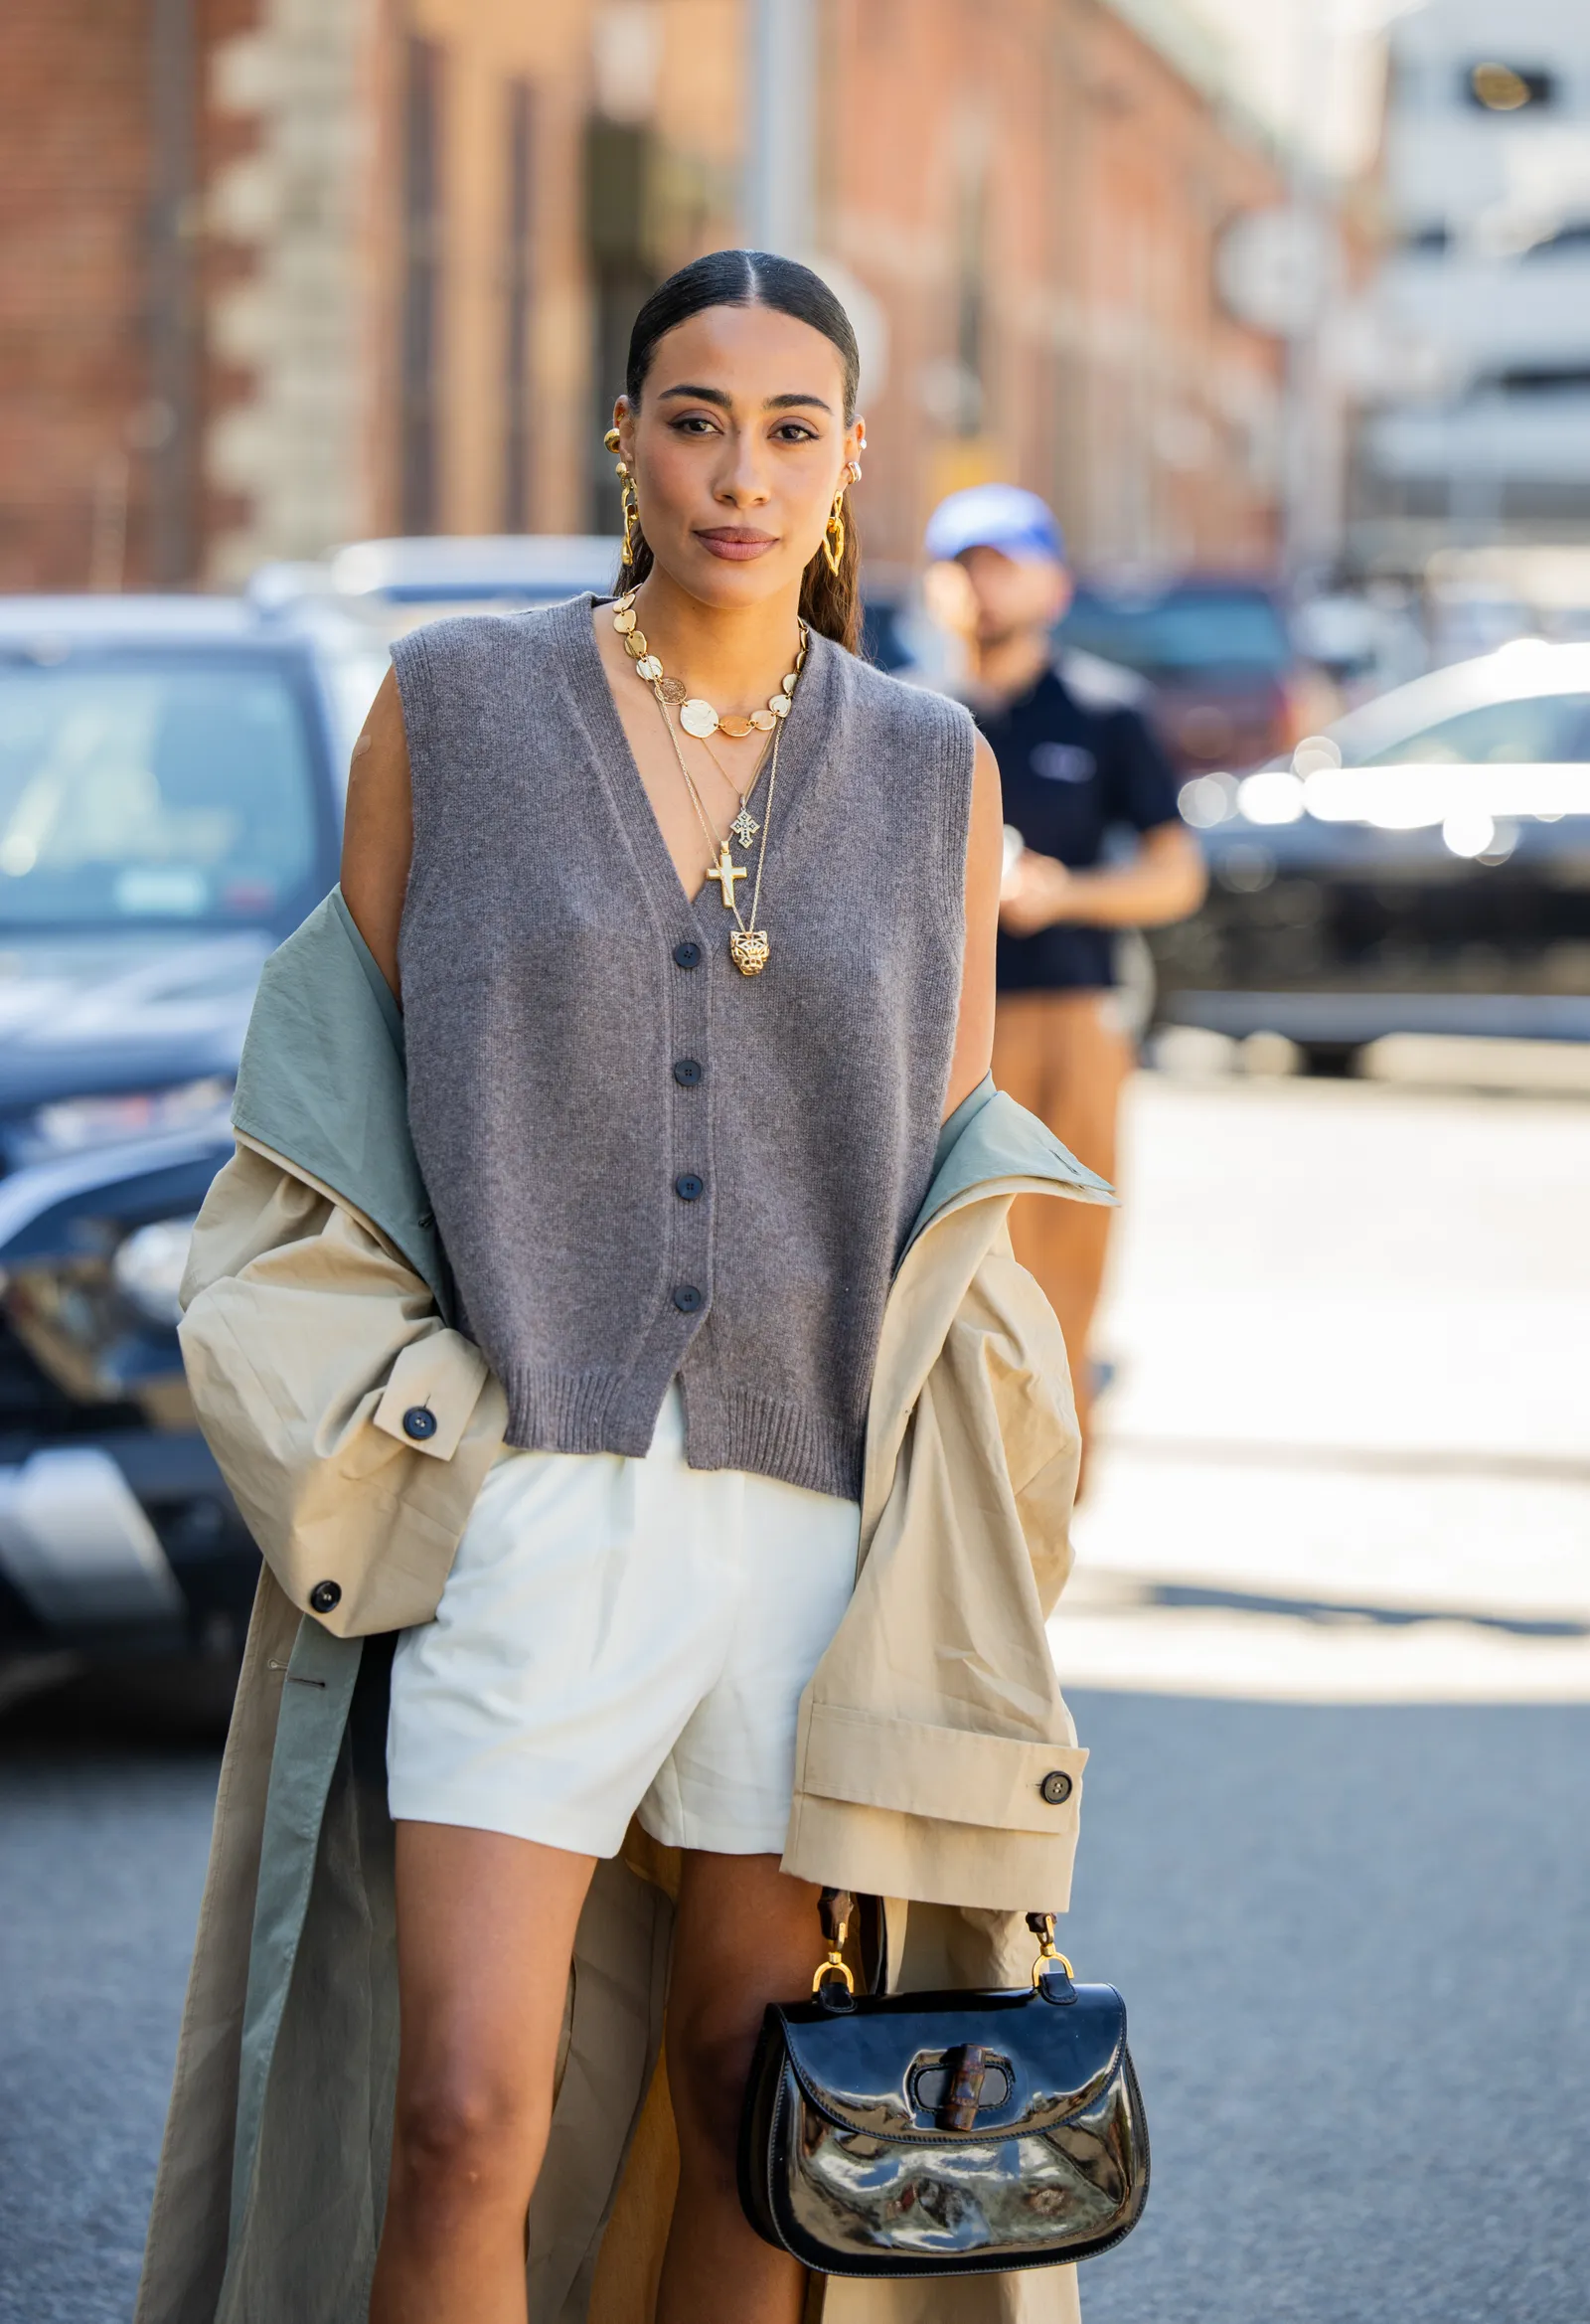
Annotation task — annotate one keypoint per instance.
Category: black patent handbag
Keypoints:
(960, 2133)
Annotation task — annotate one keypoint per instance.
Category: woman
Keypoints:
(718, 1275)
(686, 1000)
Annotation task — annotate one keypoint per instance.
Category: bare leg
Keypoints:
(1061, 1055)
(745, 1934)
(485, 1931)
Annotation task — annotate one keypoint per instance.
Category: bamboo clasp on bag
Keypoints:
(969, 2071)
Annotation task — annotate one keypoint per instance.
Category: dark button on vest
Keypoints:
(687, 955)
(688, 1299)
(687, 1072)
(688, 1186)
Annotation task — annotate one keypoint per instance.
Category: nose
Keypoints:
(742, 484)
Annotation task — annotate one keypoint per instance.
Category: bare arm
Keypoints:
(985, 848)
(377, 836)
(1163, 881)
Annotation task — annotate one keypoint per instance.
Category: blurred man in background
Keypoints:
(1080, 769)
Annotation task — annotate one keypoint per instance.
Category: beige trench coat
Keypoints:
(925, 1736)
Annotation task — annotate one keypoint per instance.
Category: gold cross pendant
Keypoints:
(728, 874)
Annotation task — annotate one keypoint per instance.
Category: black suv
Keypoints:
(171, 776)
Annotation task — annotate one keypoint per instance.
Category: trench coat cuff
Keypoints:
(440, 1375)
(938, 1815)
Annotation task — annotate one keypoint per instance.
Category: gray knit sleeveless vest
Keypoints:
(642, 1163)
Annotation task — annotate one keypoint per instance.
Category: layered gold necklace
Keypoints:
(748, 946)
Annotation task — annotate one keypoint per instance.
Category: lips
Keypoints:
(737, 544)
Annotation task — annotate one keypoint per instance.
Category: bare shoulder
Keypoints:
(985, 841)
(378, 828)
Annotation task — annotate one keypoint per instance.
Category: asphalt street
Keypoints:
(1328, 1645)
(103, 1829)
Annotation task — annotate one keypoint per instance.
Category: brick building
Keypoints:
(87, 231)
(282, 273)
(1032, 191)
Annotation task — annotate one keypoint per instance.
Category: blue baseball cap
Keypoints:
(995, 516)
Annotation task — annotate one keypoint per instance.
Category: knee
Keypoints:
(461, 2141)
(708, 2060)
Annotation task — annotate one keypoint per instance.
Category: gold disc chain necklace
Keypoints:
(748, 946)
(696, 714)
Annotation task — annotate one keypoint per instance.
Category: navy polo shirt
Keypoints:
(1071, 771)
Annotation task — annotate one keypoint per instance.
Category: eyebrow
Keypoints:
(725, 402)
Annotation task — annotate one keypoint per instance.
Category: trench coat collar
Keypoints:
(989, 1145)
(322, 1083)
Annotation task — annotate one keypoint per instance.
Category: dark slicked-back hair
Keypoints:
(830, 602)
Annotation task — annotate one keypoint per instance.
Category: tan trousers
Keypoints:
(1061, 1055)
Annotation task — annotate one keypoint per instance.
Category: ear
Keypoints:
(624, 421)
(854, 444)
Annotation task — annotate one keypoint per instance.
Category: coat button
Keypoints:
(687, 955)
(419, 1421)
(688, 1186)
(688, 1299)
(687, 1072)
(1055, 1787)
(325, 1596)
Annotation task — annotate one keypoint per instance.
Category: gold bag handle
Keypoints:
(835, 1907)
(1043, 1927)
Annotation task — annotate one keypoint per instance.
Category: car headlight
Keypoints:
(71, 1125)
(148, 1268)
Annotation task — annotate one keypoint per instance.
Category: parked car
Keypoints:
(171, 778)
(396, 584)
(1423, 865)
(1227, 686)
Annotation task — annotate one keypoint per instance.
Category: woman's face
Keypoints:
(737, 448)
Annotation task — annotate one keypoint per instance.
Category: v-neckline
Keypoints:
(620, 770)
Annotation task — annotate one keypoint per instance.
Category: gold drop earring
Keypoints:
(628, 498)
(834, 530)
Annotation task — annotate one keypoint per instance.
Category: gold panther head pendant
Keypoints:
(747, 949)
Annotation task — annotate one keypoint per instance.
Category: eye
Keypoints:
(693, 424)
(794, 432)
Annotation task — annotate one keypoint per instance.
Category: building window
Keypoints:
(620, 170)
(517, 287)
(422, 251)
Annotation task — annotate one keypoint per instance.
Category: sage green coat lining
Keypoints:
(321, 1082)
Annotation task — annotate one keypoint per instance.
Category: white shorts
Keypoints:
(619, 1635)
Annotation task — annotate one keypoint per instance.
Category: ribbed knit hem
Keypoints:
(575, 1412)
(764, 1436)
(773, 1438)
